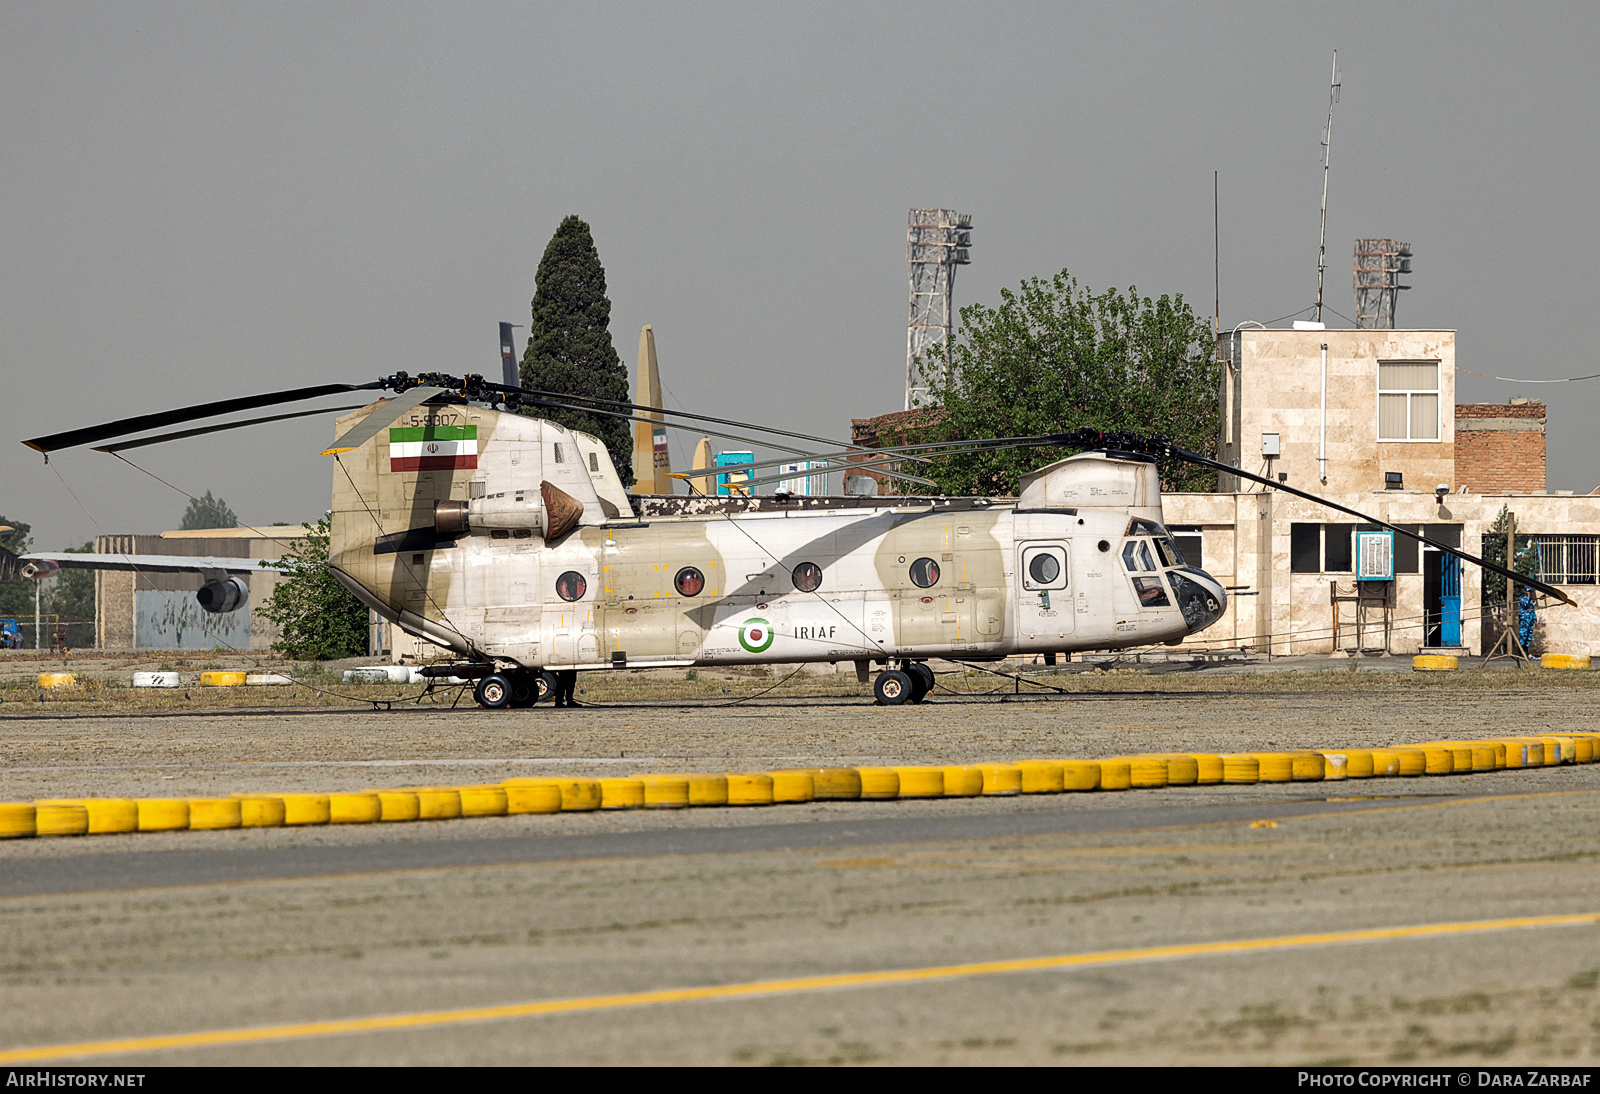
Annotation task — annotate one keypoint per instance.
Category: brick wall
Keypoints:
(896, 427)
(1500, 447)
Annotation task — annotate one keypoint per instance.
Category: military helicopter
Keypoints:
(511, 540)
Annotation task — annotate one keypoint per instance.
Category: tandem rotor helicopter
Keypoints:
(512, 541)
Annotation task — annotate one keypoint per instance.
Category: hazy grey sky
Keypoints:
(211, 199)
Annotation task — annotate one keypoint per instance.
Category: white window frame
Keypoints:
(1438, 404)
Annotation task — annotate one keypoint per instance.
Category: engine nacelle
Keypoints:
(229, 594)
(549, 512)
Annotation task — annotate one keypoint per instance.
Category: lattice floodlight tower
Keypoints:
(1379, 264)
(936, 243)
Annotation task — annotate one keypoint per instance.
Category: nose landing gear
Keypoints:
(910, 683)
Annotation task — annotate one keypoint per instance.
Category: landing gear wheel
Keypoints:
(493, 692)
(921, 680)
(544, 683)
(892, 688)
(524, 688)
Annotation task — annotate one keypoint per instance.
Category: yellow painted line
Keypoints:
(790, 986)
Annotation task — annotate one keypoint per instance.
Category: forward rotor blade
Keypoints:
(370, 426)
(123, 446)
(667, 425)
(676, 413)
(72, 438)
(875, 468)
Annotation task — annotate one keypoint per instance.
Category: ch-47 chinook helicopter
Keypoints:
(511, 541)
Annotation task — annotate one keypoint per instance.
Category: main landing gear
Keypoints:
(910, 683)
(520, 688)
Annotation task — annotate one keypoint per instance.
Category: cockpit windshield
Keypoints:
(1165, 547)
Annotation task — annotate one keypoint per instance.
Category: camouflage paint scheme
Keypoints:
(492, 593)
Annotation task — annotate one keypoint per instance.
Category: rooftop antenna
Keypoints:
(1327, 149)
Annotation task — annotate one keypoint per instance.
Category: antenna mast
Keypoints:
(1327, 151)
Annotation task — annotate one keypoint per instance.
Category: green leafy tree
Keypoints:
(208, 512)
(317, 618)
(1526, 562)
(16, 594)
(1055, 356)
(569, 343)
(70, 597)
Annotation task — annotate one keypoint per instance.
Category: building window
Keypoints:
(1319, 548)
(1566, 560)
(1408, 400)
(1189, 541)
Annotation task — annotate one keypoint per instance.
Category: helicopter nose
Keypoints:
(1200, 598)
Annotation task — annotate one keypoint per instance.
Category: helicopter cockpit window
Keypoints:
(1151, 593)
(807, 577)
(1170, 555)
(924, 573)
(689, 581)
(571, 585)
(1141, 527)
(1136, 556)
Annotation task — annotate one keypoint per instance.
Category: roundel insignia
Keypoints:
(755, 635)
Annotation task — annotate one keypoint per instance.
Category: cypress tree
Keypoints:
(569, 343)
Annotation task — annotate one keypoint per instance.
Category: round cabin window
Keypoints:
(924, 573)
(807, 577)
(571, 585)
(1044, 568)
(689, 581)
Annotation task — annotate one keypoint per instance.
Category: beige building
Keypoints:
(1368, 419)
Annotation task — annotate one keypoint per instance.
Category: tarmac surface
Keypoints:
(163, 935)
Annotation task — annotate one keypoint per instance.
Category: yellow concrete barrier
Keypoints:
(836, 784)
(578, 795)
(1183, 769)
(1082, 775)
(436, 802)
(1241, 768)
(793, 786)
(962, 781)
(1434, 662)
(1307, 766)
(301, 809)
(364, 808)
(1564, 661)
(57, 680)
(1275, 767)
(1385, 762)
(542, 796)
(665, 791)
(162, 814)
(1041, 776)
(615, 793)
(107, 816)
(1000, 780)
(260, 811)
(222, 679)
(1115, 774)
(920, 782)
(879, 783)
(60, 818)
(206, 814)
(1412, 762)
(707, 788)
(749, 788)
(1144, 772)
(1208, 768)
(483, 800)
(17, 820)
(1336, 766)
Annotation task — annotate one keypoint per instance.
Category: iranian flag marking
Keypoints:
(433, 448)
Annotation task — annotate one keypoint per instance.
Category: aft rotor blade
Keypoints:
(182, 434)
(72, 438)
(1521, 579)
(875, 468)
(370, 426)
